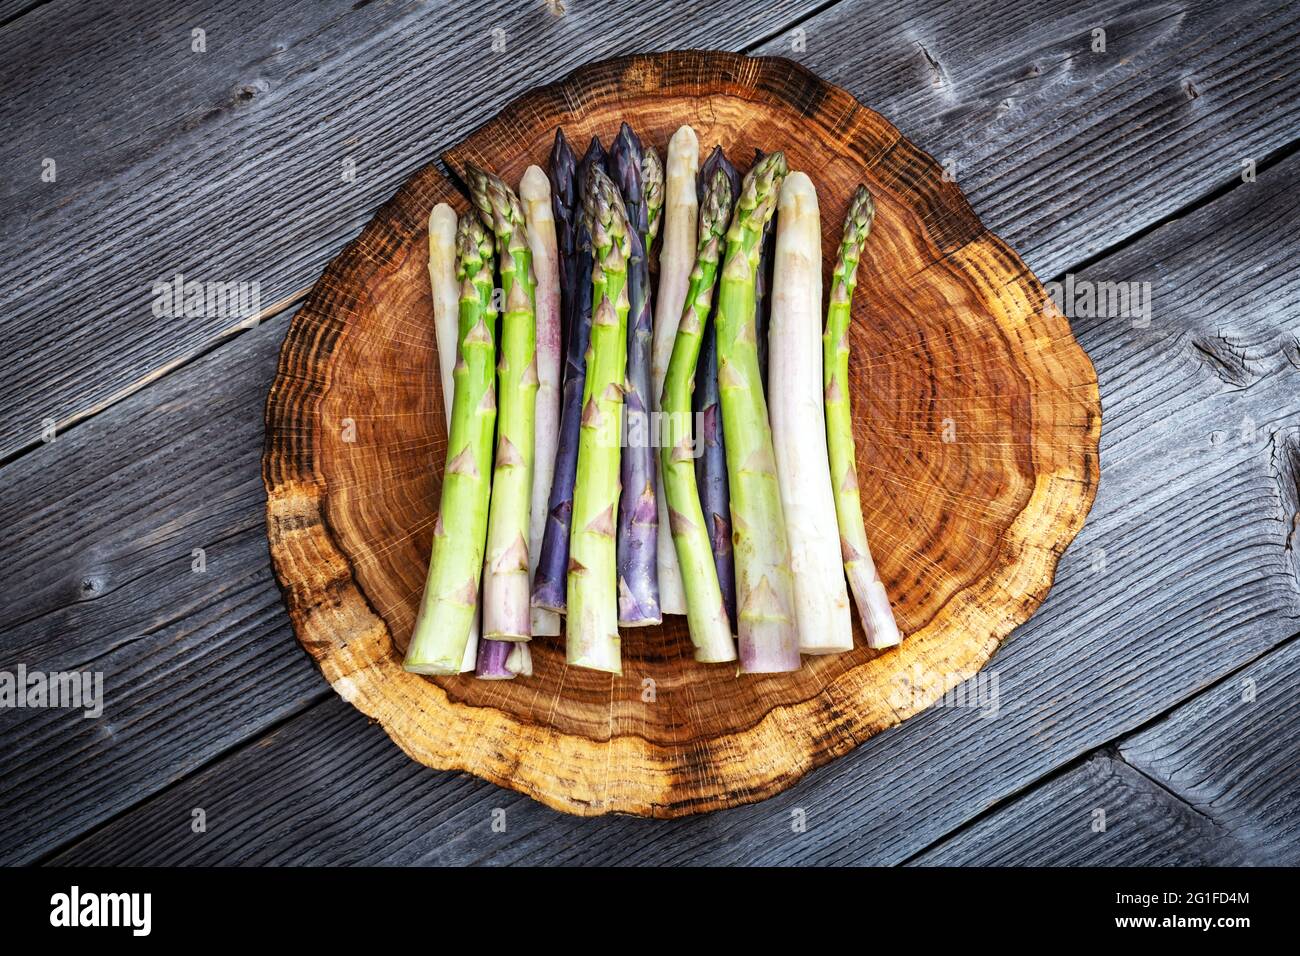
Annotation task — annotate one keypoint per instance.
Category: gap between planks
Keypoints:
(1110, 748)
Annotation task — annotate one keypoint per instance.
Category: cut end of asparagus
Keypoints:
(877, 616)
(607, 658)
(768, 647)
(520, 661)
(431, 668)
(492, 657)
(546, 622)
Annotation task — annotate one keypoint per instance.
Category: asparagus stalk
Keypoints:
(520, 661)
(769, 642)
(592, 638)
(762, 288)
(562, 174)
(504, 660)
(676, 258)
(552, 566)
(821, 601)
(535, 194)
(864, 580)
(711, 465)
(638, 512)
(450, 601)
(507, 612)
(446, 326)
(706, 613)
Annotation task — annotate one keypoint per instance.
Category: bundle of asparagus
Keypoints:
(759, 505)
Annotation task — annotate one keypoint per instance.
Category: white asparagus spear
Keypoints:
(520, 661)
(676, 259)
(798, 424)
(535, 194)
(446, 322)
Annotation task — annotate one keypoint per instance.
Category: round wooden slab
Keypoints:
(977, 420)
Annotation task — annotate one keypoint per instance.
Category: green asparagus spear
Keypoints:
(591, 632)
(769, 640)
(507, 614)
(706, 613)
(442, 625)
(868, 590)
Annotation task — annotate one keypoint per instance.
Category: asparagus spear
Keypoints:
(535, 193)
(450, 601)
(868, 590)
(676, 257)
(507, 613)
(552, 566)
(821, 602)
(706, 613)
(445, 288)
(763, 287)
(768, 639)
(592, 638)
(561, 172)
(711, 465)
(638, 513)
(504, 660)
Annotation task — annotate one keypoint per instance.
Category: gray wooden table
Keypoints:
(1147, 714)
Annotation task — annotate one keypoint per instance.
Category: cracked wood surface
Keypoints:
(1119, 146)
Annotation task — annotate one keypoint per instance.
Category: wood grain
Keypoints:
(1102, 813)
(1232, 753)
(103, 524)
(247, 145)
(1180, 577)
(1064, 150)
(157, 116)
(979, 45)
(950, 334)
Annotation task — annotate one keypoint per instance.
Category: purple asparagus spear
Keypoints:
(551, 580)
(711, 466)
(763, 286)
(492, 660)
(638, 512)
(562, 170)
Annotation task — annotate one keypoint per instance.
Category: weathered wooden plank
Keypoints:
(1064, 150)
(1102, 813)
(251, 162)
(11, 10)
(1233, 754)
(1181, 576)
(276, 221)
(100, 575)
